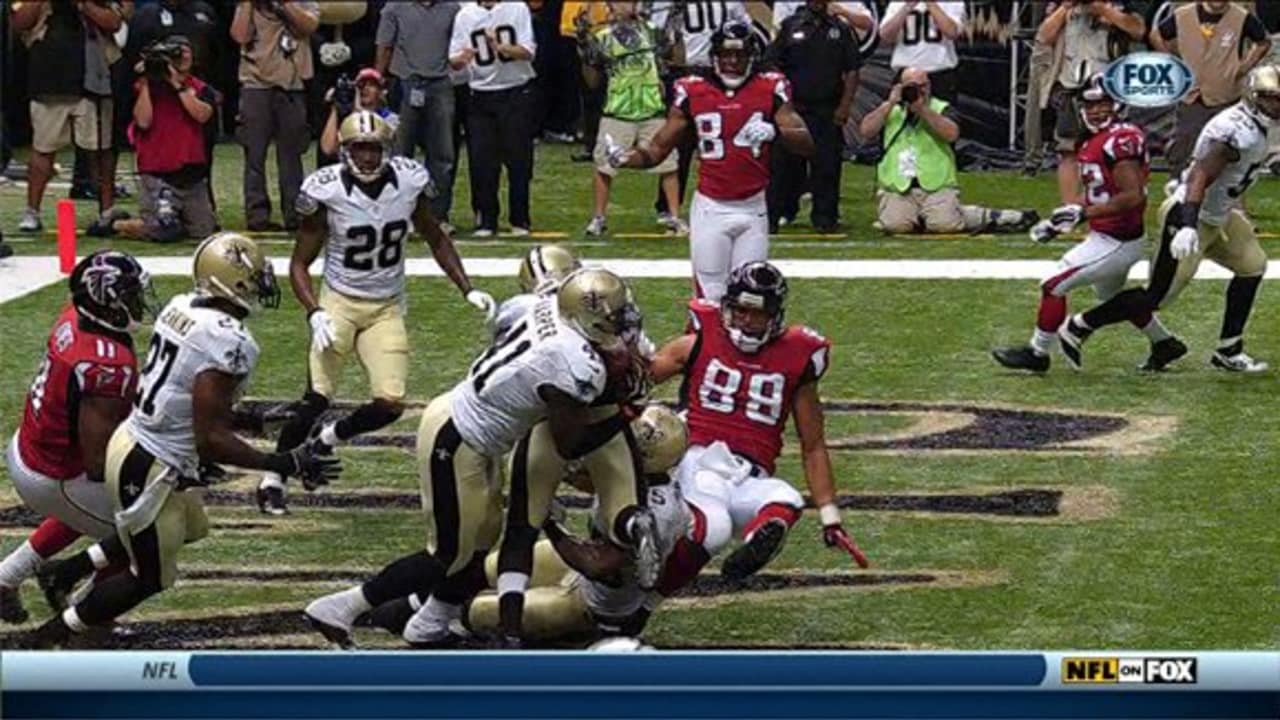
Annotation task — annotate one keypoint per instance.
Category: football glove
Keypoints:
(1186, 242)
(483, 301)
(834, 535)
(1065, 218)
(615, 154)
(314, 465)
(757, 132)
(255, 419)
(209, 474)
(1043, 231)
(323, 333)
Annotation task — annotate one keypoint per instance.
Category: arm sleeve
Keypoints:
(819, 358)
(386, 35)
(680, 96)
(310, 196)
(524, 29)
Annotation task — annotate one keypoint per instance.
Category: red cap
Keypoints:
(369, 74)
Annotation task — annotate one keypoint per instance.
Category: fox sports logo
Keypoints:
(1148, 79)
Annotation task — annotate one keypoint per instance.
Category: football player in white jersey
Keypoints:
(550, 365)
(199, 362)
(1202, 218)
(541, 271)
(360, 213)
(579, 587)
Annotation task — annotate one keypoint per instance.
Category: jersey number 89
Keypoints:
(720, 384)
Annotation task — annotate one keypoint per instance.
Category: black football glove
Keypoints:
(315, 465)
(255, 418)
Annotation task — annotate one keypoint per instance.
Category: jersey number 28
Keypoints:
(389, 251)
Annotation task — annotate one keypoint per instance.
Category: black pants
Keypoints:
(500, 132)
(592, 110)
(462, 101)
(823, 169)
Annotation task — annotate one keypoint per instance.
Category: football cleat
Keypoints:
(1021, 358)
(55, 585)
(1240, 362)
(1163, 353)
(1071, 337)
(11, 609)
(643, 529)
(765, 544)
(327, 617)
(271, 501)
(391, 616)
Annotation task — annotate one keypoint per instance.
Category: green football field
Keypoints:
(1074, 510)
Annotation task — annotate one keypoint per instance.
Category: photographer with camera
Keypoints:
(366, 92)
(168, 134)
(918, 189)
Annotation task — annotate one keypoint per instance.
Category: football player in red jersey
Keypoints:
(1113, 172)
(82, 391)
(737, 114)
(744, 372)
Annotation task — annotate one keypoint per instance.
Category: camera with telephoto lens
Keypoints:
(910, 94)
(344, 95)
(159, 56)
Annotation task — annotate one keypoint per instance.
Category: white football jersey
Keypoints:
(187, 340)
(1236, 127)
(364, 253)
(512, 24)
(673, 522)
(920, 43)
(698, 22)
(498, 401)
(511, 310)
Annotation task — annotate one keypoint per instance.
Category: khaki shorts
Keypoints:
(938, 211)
(153, 550)
(191, 207)
(375, 330)
(631, 134)
(53, 117)
(461, 490)
(1233, 245)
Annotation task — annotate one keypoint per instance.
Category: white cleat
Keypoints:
(332, 617)
(1240, 362)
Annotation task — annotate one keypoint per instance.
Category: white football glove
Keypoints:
(1186, 242)
(483, 301)
(757, 132)
(614, 153)
(323, 333)
(1043, 231)
(1065, 218)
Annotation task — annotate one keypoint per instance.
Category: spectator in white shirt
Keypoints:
(923, 35)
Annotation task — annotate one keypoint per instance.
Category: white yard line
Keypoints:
(22, 275)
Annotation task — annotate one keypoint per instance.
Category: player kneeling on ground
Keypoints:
(83, 390)
(745, 372)
(200, 360)
(1113, 171)
(360, 212)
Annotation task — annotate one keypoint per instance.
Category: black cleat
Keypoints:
(1021, 358)
(55, 585)
(1163, 353)
(53, 633)
(11, 609)
(271, 501)
(332, 633)
(1071, 337)
(765, 544)
(391, 616)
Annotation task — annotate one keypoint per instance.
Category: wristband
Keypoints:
(829, 514)
(1189, 214)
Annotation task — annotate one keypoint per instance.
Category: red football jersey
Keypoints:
(743, 399)
(78, 363)
(1098, 155)
(729, 168)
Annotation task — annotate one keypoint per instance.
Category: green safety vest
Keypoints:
(935, 160)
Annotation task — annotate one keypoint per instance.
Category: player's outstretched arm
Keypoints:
(97, 419)
(811, 427)
(647, 156)
(597, 560)
(311, 235)
(216, 441)
(670, 360)
(792, 131)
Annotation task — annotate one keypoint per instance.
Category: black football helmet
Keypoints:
(110, 288)
(735, 51)
(1098, 109)
(756, 285)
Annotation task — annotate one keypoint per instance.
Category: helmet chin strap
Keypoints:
(744, 342)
